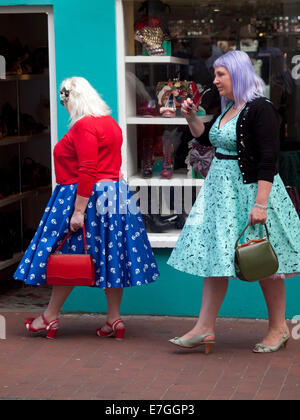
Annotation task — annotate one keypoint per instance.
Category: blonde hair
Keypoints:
(83, 100)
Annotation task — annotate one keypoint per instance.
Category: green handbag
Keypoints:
(256, 259)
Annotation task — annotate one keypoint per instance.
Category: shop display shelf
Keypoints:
(179, 179)
(141, 59)
(14, 260)
(24, 77)
(6, 141)
(164, 240)
(163, 120)
(293, 33)
(23, 195)
(31, 93)
(128, 64)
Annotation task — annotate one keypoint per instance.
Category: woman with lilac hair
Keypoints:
(242, 186)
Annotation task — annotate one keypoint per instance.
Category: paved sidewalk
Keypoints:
(81, 366)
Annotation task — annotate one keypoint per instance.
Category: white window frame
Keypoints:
(128, 120)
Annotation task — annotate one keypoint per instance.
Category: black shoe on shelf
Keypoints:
(154, 224)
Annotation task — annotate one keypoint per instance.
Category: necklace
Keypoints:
(235, 107)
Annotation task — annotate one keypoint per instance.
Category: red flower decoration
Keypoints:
(155, 22)
(146, 21)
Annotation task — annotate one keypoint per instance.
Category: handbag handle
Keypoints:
(68, 235)
(238, 239)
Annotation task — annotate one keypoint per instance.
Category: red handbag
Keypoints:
(71, 269)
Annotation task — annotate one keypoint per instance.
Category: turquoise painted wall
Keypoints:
(178, 294)
(86, 46)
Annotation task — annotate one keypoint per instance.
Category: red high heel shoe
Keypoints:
(49, 327)
(117, 332)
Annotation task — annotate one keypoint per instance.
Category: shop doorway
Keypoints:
(28, 128)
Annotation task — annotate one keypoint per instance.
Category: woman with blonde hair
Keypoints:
(91, 192)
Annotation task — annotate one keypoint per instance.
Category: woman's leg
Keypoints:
(58, 297)
(214, 291)
(114, 298)
(273, 289)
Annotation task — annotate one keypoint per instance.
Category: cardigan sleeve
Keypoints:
(266, 136)
(86, 146)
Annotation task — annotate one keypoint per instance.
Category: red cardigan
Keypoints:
(88, 153)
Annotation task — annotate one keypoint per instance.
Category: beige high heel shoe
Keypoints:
(193, 342)
(262, 348)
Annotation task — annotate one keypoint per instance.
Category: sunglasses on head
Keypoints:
(64, 96)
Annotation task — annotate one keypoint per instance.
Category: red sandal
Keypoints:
(49, 327)
(118, 333)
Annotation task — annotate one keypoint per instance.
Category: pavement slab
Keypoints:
(79, 365)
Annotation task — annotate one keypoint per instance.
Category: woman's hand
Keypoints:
(77, 221)
(188, 109)
(257, 215)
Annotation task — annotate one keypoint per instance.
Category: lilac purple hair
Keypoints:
(246, 84)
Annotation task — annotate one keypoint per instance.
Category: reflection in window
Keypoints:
(268, 30)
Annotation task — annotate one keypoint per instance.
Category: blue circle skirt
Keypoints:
(116, 237)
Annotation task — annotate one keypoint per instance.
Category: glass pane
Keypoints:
(200, 31)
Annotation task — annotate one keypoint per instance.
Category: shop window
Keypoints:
(173, 41)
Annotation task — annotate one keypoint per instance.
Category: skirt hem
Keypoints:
(93, 287)
(234, 277)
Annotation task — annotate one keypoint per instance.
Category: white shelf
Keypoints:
(141, 59)
(164, 240)
(178, 179)
(15, 259)
(163, 120)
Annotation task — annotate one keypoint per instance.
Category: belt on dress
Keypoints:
(221, 156)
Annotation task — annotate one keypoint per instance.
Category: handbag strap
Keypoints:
(238, 239)
(68, 235)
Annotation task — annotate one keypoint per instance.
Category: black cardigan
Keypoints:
(258, 143)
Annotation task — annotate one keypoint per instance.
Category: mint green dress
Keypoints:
(221, 211)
